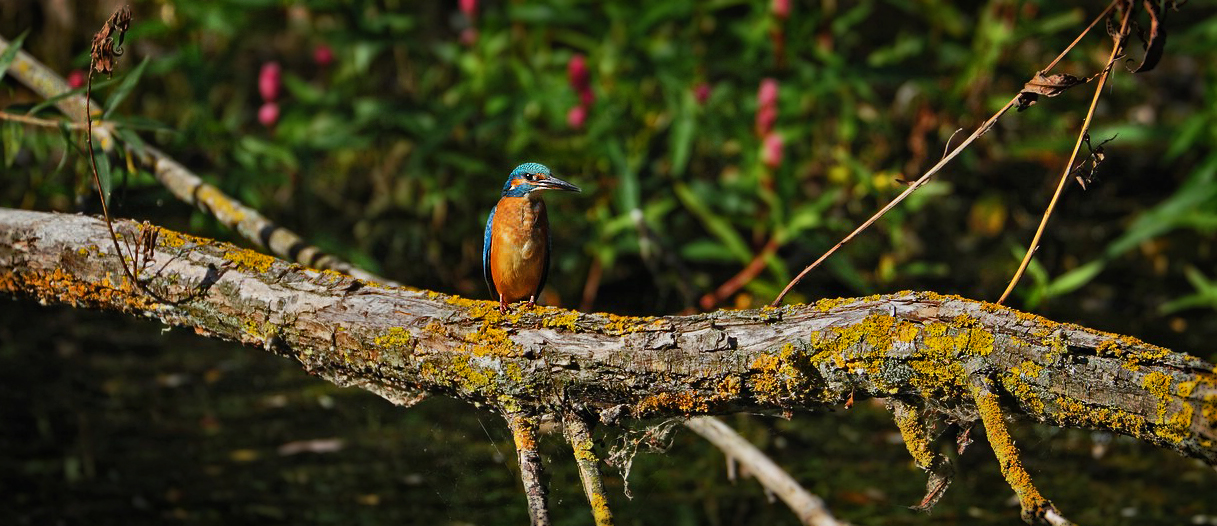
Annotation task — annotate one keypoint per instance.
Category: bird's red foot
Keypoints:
(532, 301)
(502, 304)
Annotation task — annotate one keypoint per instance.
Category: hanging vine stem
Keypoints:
(101, 59)
(1116, 51)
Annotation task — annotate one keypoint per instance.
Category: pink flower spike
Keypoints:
(269, 81)
(781, 8)
(701, 92)
(771, 152)
(576, 117)
(469, 8)
(76, 78)
(767, 95)
(268, 114)
(586, 98)
(323, 55)
(576, 70)
(469, 36)
(765, 117)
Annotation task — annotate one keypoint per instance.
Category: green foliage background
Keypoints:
(392, 155)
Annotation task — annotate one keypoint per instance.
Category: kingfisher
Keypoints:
(516, 245)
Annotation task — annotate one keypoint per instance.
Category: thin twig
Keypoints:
(1060, 187)
(591, 286)
(580, 437)
(809, 508)
(105, 208)
(36, 121)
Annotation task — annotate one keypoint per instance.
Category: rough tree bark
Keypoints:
(936, 357)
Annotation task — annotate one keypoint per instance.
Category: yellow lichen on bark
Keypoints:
(398, 339)
(1076, 413)
(583, 450)
(522, 432)
(687, 402)
(1170, 425)
(600, 510)
(249, 259)
(1033, 504)
(221, 205)
(61, 286)
(765, 383)
(916, 439)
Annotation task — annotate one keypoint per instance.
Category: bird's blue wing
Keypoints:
(486, 239)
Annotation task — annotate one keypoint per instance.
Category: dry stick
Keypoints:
(892, 204)
(1060, 187)
(809, 508)
(580, 437)
(524, 431)
(183, 183)
(924, 178)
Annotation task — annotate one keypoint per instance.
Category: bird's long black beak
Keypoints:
(553, 183)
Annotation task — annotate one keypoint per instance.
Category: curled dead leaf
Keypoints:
(105, 51)
(1155, 43)
(1048, 86)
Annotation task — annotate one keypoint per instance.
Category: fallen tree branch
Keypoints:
(919, 347)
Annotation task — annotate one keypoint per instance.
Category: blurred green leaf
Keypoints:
(1074, 279)
(682, 137)
(70, 93)
(13, 133)
(716, 225)
(129, 81)
(1205, 295)
(706, 251)
(10, 53)
(104, 175)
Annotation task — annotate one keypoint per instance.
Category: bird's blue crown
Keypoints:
(517, 185)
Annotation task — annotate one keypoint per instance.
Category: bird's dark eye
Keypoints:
(530, 177)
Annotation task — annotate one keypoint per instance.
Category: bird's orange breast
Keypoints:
(520, 238)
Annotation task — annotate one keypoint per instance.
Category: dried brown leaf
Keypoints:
(1155, 44)
(1051, 86)
(1048, 86)
(105, 51)
(1085, 171)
